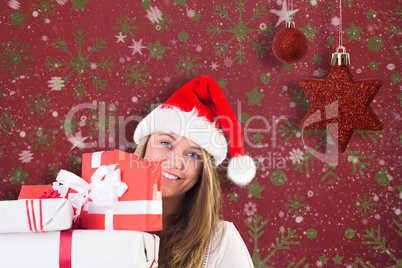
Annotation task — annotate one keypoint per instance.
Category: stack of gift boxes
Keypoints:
(103, 219)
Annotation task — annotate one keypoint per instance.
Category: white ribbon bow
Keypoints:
(104, 193)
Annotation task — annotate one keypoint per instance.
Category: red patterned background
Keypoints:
(95, 62)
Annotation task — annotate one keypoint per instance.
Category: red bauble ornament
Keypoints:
(341, 104)
(289, 44)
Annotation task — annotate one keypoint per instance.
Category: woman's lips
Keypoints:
(169, 177)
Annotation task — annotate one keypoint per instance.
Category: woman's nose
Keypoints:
(178, 161)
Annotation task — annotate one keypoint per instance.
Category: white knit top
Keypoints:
(227, 250)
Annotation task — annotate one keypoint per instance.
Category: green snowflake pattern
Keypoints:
(46, 7)
(6, 122)
(81, 64)
(136, 75)
(393, 30)
(295, 205)
(330, 8)
(74, 163)
(241, 31)
(365, 205)
(348, 3)
(398, 10)
(126, 26)
(38, 104)
(188, 65)
(282, 242)
(53, 170)
(13, 56)
(398, 50)
(378, 243)
(42, 139)
(103, 122)
(150, 106)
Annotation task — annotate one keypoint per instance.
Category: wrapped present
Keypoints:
(117, 191)
(79, 248)
(35, 215)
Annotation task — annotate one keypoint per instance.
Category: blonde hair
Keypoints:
(185, 241)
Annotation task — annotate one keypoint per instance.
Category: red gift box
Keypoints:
(140, 207)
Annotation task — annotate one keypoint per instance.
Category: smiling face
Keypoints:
(181, 162)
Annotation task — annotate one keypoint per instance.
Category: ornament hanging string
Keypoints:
(289, 5)
(340, 24)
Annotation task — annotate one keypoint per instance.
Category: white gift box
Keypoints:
(79, 249)
(35, 215)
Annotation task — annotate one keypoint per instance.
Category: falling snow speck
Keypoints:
(22, 134)
(390, 66)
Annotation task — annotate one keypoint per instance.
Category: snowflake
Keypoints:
(310, 193)
(228, 62)
(154, 14)
(62, 2)
(283, 14)
(365, 205)
(136, 75)
(56, 83)
(240, 31)
(295, 205)
(190, 13)
(214, 66)
(77, 140)
(15, 57)
(335, 21)
(174, 42)
(46, 7)
(120, 37)
(313, 2)
(296, 156)
(14, 4)
(137, 46)
(38, 104)
(42, 139)
(263, 26)
(319, 72)
(103, 122)
(163, 23)
(250, 209)
(126, 26)
(188, 65)
(26, 156)
(80, 63)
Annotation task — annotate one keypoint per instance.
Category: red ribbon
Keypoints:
(154, 251)
(65, 250)
(32, 208)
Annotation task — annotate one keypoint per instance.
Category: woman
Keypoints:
(186, 135)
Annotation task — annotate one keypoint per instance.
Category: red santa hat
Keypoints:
(200, 112)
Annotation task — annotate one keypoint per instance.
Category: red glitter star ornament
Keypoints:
(341, 104)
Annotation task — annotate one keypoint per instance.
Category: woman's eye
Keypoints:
(166, 144)
(194, 155)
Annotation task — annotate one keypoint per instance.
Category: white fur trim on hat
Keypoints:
(187, 124)
(241, 170)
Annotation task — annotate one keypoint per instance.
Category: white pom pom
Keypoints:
(241, 170)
